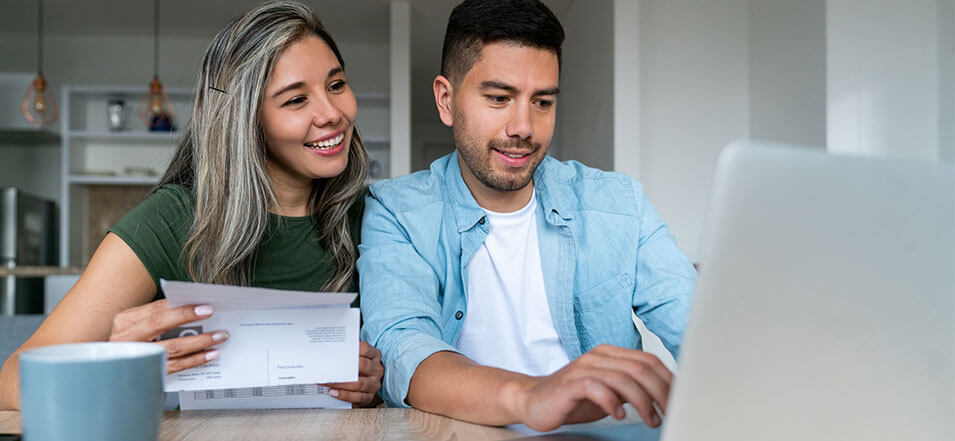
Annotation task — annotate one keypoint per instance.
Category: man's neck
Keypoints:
(494, 200)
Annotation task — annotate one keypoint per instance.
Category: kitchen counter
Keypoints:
(40, 271)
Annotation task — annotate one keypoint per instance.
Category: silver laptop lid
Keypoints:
(825, 308)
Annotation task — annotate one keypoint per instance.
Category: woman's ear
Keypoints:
(443, 91)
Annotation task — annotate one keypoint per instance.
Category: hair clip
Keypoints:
(218, 90)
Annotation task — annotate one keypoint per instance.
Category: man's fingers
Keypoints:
(644, 369)
(632, 392)
(596, 391)
(178, 347)
(190, 361)
(638, 356)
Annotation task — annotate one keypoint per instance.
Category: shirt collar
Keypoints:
(550, 194)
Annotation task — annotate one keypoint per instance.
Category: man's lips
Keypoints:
(513, 153)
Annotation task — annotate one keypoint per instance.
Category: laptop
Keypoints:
(825, 308)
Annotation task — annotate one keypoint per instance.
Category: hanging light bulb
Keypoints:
(156, 109)
(38, 105)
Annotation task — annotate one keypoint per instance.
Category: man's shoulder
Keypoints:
(413, 191)
(585, 188)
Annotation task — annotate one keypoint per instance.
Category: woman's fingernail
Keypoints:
(212, 355)
(220, 335)
(656, 419)
(203, 310)
(621, 413)
(333, 393)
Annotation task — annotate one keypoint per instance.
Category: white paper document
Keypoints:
(276, 338)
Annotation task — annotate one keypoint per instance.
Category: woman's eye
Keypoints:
(295, 101)
(337, 86)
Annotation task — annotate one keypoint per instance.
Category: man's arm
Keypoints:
(591, 387)
(665, 278)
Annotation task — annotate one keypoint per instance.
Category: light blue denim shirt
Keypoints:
(604, 252)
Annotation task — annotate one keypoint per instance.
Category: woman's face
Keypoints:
(308, 114)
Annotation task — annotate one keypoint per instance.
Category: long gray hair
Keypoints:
(223, 154)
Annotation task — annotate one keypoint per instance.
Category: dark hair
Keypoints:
(475, 23)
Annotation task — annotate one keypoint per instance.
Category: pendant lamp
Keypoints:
(38, 105)
(156, 109)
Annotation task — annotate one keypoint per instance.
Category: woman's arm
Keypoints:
(111, 301)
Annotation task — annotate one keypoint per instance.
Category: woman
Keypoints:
(265, 189)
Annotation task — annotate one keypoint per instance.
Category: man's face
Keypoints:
(502, 113)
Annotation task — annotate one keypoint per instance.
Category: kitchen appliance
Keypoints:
(28, 237)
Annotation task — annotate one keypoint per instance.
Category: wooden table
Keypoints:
(309, 424)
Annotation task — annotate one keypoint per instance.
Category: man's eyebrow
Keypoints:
(498, 85)
(293, 86)
(492, 84)
(552, 91)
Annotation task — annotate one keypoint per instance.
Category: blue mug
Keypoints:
(92, 391)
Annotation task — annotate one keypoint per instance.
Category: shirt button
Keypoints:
(481, 221)
(458, 315)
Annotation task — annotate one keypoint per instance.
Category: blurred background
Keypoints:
(651, 88)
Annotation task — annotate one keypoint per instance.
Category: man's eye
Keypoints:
(497, 99)
(294, 101)
(545, 104)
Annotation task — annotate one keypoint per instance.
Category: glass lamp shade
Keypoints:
(156, 109)
(38, 105)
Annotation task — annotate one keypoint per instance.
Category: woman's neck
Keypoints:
(292, 198)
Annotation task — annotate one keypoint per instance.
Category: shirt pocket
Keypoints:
(616, 291)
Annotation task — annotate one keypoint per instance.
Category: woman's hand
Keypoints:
(370, 370)
(149, 321)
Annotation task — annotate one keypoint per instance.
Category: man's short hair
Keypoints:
(475, 23)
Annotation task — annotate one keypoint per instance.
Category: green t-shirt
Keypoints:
(289, 257)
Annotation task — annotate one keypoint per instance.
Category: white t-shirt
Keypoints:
(508, 323)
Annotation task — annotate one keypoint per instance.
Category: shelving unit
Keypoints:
(94, 157)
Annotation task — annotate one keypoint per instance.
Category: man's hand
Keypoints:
(594, 385)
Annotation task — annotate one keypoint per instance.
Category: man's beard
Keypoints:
(479, 162)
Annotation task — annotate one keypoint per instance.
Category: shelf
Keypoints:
(113, 180)
(125, 135)
(33, 137)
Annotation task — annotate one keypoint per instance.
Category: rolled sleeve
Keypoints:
(399, 300)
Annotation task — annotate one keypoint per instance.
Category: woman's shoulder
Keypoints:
(173, 194)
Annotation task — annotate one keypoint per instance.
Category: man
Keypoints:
(499, 285)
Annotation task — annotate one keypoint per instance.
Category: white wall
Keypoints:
(787, 71)
(626, 87)
(946, 80)
(585, 118)
(886, 79)
(694, 100)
